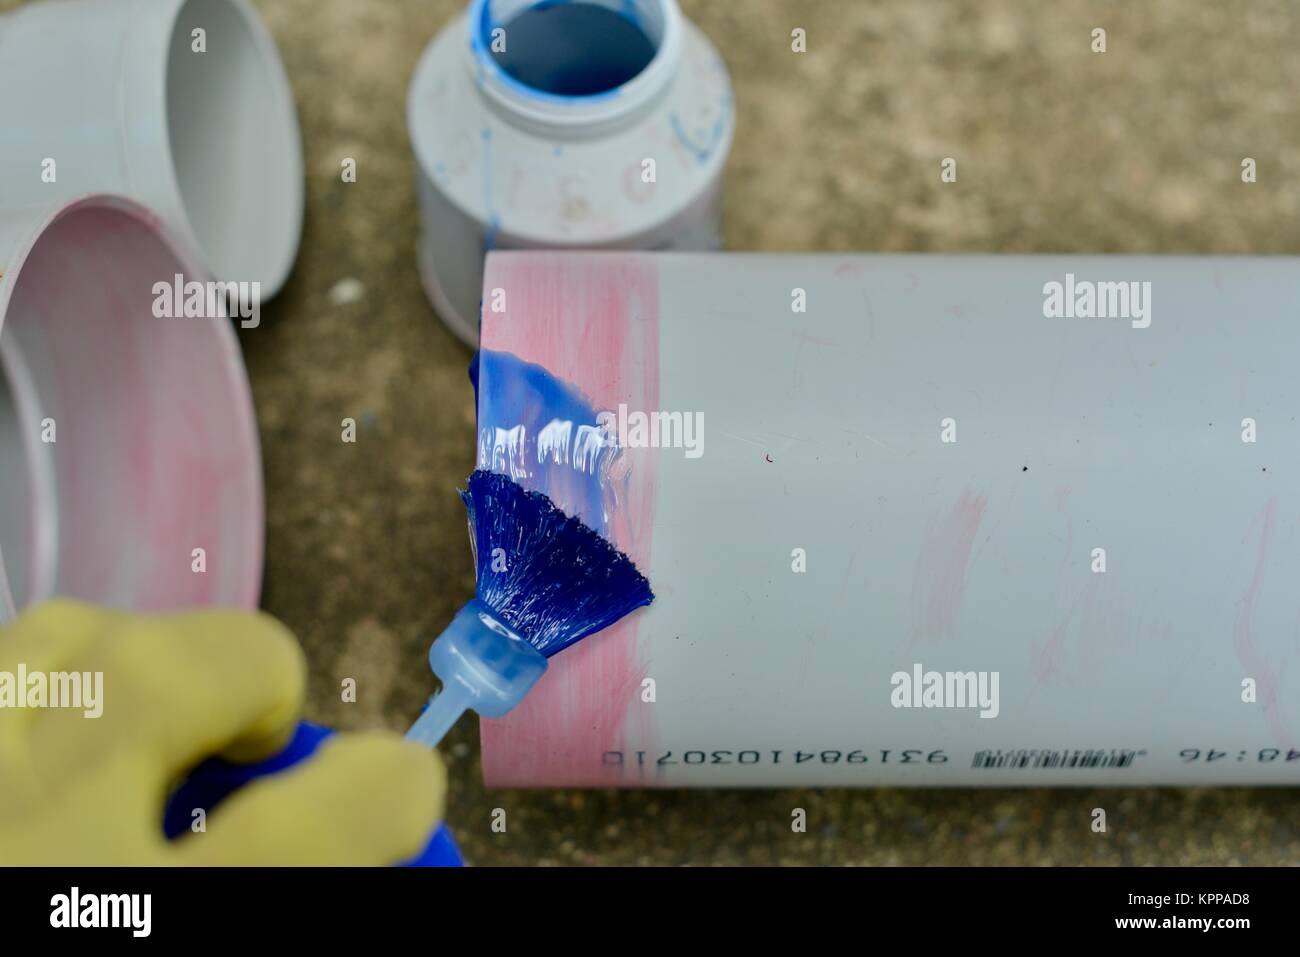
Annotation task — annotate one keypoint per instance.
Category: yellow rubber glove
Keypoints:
(177, 689)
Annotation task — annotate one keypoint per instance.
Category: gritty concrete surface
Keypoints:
(1059, 149)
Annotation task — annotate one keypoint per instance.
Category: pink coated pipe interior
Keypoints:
(156, 449)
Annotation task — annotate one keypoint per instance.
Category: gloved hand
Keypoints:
(177, 689)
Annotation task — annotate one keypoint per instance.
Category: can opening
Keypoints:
(234, 144)
(572, 48)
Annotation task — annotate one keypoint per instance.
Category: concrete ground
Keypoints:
(1059, 149)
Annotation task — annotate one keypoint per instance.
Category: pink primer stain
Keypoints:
(940, 577)
(1076, 651)
(157, 452)
(593, 322)
(1252, 659)
(851, 267)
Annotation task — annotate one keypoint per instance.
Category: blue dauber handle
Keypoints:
(212, 781)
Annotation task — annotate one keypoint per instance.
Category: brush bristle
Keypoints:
(561, 580)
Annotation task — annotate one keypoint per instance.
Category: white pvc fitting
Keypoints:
(112, 96)
(503, 164)
(127, 441)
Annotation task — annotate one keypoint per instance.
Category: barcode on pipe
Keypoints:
(1034, 758)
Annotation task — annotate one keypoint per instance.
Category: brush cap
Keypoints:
(491, 666)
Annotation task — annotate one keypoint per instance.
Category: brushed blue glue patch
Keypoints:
(545, 434)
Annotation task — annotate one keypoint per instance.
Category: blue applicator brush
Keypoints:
(544, 581)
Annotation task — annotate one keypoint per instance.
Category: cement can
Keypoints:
(505, 163)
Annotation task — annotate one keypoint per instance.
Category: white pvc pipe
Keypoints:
(115, 96)
(127, 441)
(902, 463)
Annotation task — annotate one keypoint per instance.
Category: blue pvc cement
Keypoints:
(544, 433)
(704, 143)
(574, 49)
(587, 51)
